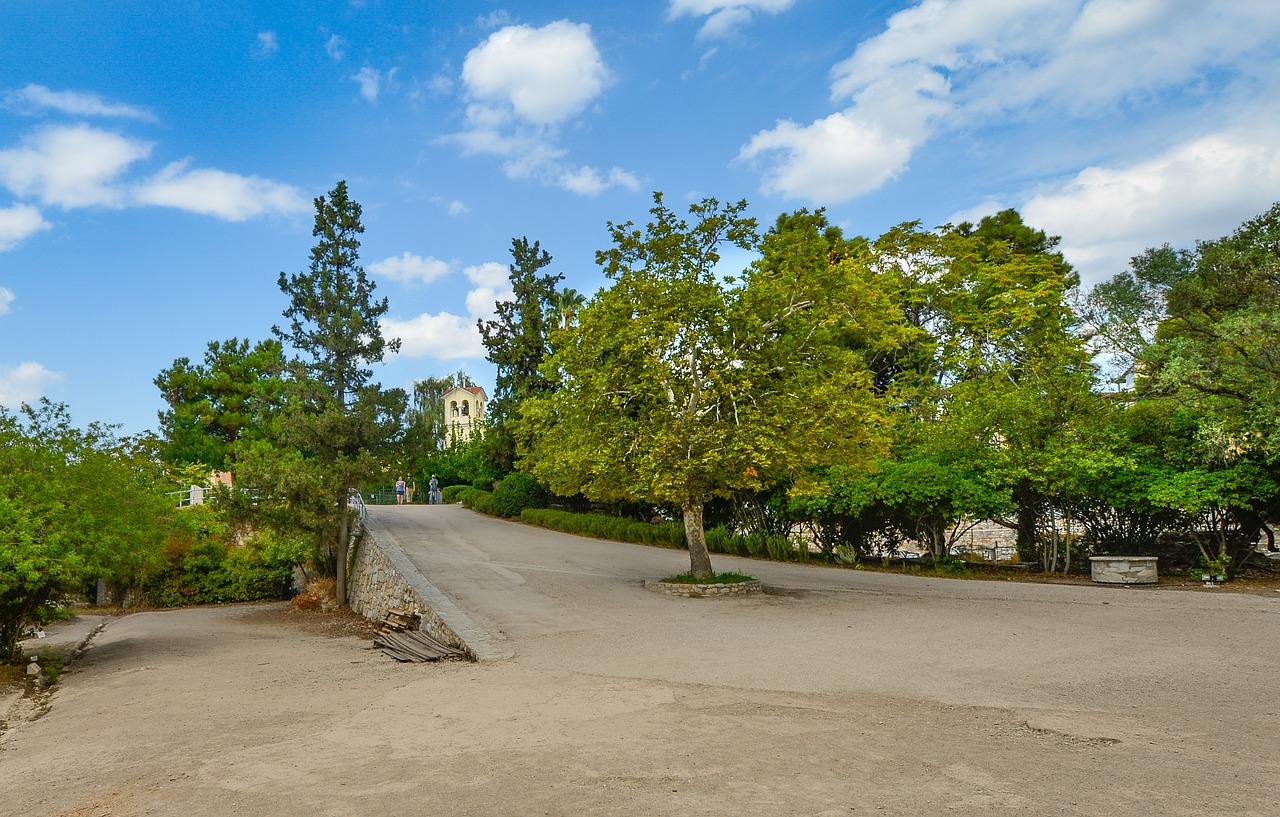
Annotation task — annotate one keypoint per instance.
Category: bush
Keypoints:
(200, 567)
(476, 500)
(517, 492)
(453, 493)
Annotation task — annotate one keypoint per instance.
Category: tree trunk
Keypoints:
(699, 558)
(344, 542)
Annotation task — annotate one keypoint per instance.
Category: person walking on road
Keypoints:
(400, 490)
(433, 490)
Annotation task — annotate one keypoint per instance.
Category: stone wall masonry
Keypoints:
(383, 578)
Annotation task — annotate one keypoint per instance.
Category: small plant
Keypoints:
(51, 663)
(846, 555)
(1211, 570)
(719, 578)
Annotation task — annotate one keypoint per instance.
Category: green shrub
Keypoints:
(476, 500)
(200, 567)
(516, 492)
(453, 493)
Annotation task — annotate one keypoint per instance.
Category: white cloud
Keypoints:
(724, 17)
(410, 268)
(522, 83)
(588, 181)
(946, 64)
(18, 223)
(228, 196)
(446, 336)
(36, 99)
(370, 81)
(268, 44)
(71, 166)
(6, 298)
(25, 383)
(1198, 190)
(833, 160)
(336, 48)
(546, 75)
(457, 208)
(490, 274)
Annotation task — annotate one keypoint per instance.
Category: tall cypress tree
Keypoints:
(335, 420)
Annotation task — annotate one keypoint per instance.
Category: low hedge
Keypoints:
(773, 546)
(663, 534)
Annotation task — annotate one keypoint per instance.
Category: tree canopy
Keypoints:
(679, 385)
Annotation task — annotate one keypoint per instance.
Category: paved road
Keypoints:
(566, 601)
(839, 692)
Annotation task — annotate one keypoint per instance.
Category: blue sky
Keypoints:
(158, 160)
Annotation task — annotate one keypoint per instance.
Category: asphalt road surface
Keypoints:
(836, 692)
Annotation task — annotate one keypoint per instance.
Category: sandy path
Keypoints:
(841, 693)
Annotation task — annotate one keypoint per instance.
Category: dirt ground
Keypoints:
(256, 710)
(837, 692)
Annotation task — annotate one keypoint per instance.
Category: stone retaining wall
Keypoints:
(697, 591)
(382, 579)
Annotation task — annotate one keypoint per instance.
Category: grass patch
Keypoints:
(719, 578)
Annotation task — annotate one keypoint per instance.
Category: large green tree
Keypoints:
(1219, 345)
(335, 421)
(680, 384)
(213, 403)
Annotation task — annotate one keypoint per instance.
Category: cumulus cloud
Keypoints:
(6, 298)
(522, 83)
(268, 44)
(1200, 189)
(832, 160)
(946, 64)
(448, 336)
(724, 17)
(546, 75)
(228, 196)
(444, 336)
(37, 99)
(410, 268)
(25, 383)
(18, 223)
(71, 166)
